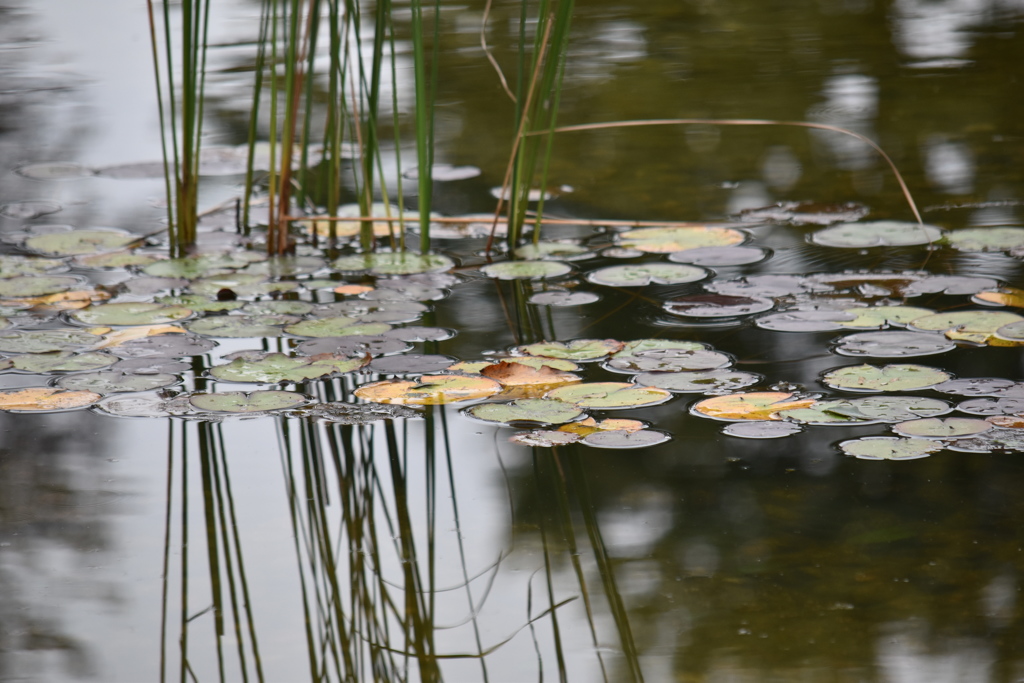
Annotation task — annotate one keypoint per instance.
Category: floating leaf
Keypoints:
(248, 402)
(533, 362)
(561, 297)
(1006, 421)
(142, 405)
(358, 413)
(278, 307)
(665, 240)
(44, 399)
(420, 334)
(22, 286)
(609, 395)
(891, 408)
(947, 284)
(668, 360)
(717, 305)
(239, 326)
(877, 317)
(1004, 296)
(976, 386)
(974, 326)
(804, 321)
(876, 234)
(54, 170)
(544, 438)
(162, 346)
(889, 448)
(75, 242)
(986, 239)
(272, 368)
(765, 286)
(762, 429)
(643, 347)
(353, 346)
(113, 381)
(892, 344)
(992, 406)
(802, 213)
(579, 349)
(589, 425)
(640, 275)
(822, 413)
(525, 410)
(707, 382)
(352, 228)
(200, 303)
(429, 390)
(411, 364)
(383, 263)
(757, 405)
(643, 438)
(287, 266)
(130, 313)
(553, 251)
(1011, 331)
(526, 270)
(942, 428)
(341, 326)
(15, 265)
(885, 378)
(62, 361)
(719, 256)
(44, 341)
(115, 260)
(513, 374)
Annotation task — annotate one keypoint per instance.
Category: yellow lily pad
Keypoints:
(45, 399)
(754, 405)
(429, 390)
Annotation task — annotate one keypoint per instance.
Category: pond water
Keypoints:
(290, 546)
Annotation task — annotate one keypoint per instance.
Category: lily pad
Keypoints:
(532, 362)
(762, 429)
(641, 275)
(130, 313)
(822, 413)
(553, 251)
(278, 307)
(643, 347)
(239, 326)
(512, 374)
(889, 448)
(44, 400)
(757, 405)
(768, 286)
(353, 346)
(112, 381)
(248, 402)
(411, 364)
(876, 234)
(1011, 331)
(164, 346)
(892, 344)
(986, 239)
(383, 263)
(341, 326)
(643, 438)
(14, 265)
(817, 320)
(526, 270)
(667, 240)
(430, 390)
(115, 260)
(717, 305)
(719, 256)
(75, 242)
(891, 408)
(942, 428)
(992, 406)
(561, 297)
(525, 410)
(976, 386)
(420, 334)
(668, 360)
(21, 286)
(1004, 296)
(357, 413)
(545, 438)
(609, 395)
(885, 378)
(273, 368)
(974, 326)
(878, 317)
(707, 382)
(589, 425)
(287, 266)
(62, 361)
(582, 350)
(45, 341)
(201, 304)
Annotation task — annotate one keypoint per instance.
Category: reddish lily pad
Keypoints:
(430, 390)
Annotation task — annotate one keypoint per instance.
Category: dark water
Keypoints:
(706, 559)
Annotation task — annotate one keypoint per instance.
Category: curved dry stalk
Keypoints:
(487, 52)
(745, 122)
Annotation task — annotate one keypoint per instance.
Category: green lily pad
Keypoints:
(394, 263)
(942, 428)
(640, 275)
(885, 378)
(892, 343)
(115, 260)
(45, 341)
(544, 438)
(579, 349)
(667, 240)
(342, 326)
(131, 313)
(75, 242)
(986, 239)
(974, 326)
(891, 408)
(44, 400)
(273, 368)
(822, 413)
(278, 307)
(528, 410)
(889, 448)
(240, 326)
(22, 286)
(878, 317)
(201, 304)
(526, 270)
(241, 284)
(202, 265)
(609, 395)
(621, 439)
(553, 251)
(62, 361)
(13, 265)
(429, 390)
(248, 401)
(876, 234)
(113, 382)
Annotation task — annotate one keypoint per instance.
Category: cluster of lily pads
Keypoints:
(125, 349)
